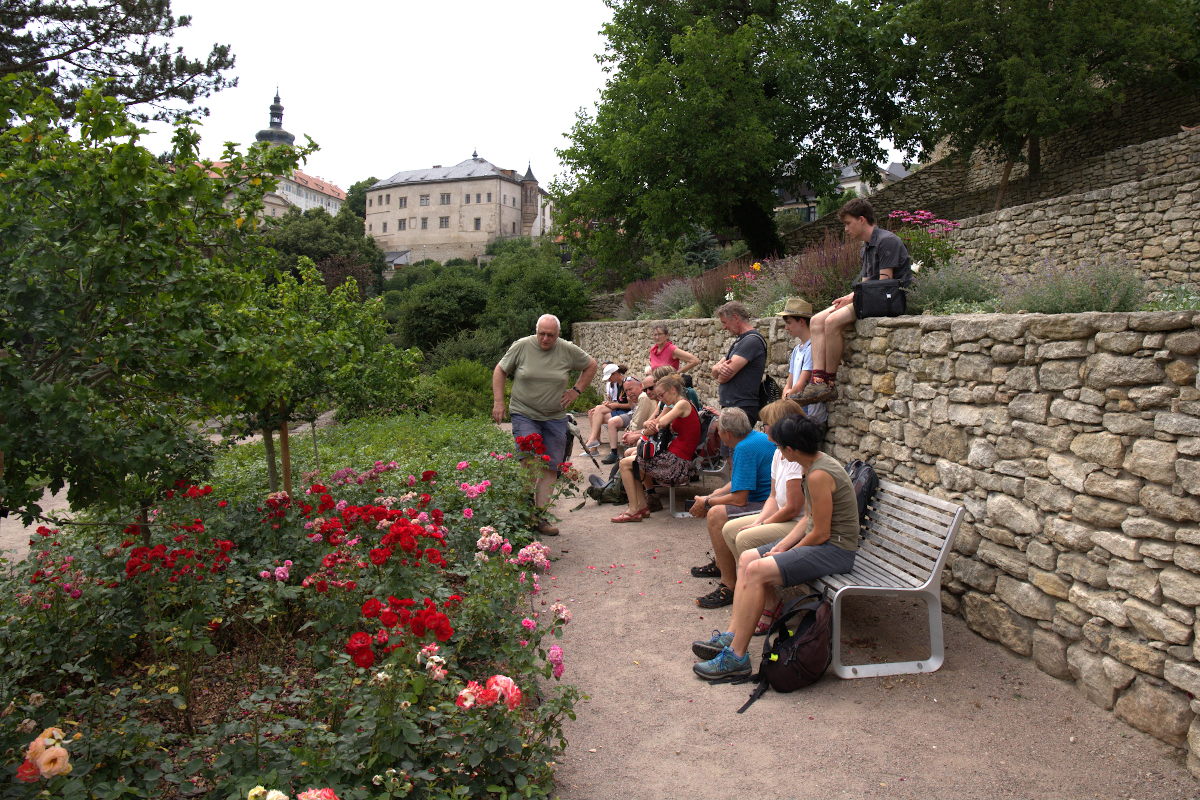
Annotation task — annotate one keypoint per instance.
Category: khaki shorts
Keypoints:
(739, 541)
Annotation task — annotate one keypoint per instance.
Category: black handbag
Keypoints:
(880, 298)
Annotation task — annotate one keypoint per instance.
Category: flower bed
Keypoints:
(380, 634)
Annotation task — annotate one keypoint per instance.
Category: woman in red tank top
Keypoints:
(672, 466)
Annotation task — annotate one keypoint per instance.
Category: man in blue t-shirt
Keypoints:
(748, 489)
(796, 315)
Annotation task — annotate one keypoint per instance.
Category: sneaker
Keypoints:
(723, 665)
(716, 644)
(718, 598)
(611, 458)
(546, 528)
(709, 570)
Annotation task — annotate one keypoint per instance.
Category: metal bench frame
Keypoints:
(902, 552)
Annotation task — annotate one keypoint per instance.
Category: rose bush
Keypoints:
(365, 627)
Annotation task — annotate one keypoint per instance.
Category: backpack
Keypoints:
(793, 659)
(865, 481)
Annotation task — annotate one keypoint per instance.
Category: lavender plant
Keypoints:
(1098, 284)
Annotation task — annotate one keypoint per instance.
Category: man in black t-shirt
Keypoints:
(884, 256)
(740, 372)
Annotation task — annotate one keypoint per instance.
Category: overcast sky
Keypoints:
(390, 86)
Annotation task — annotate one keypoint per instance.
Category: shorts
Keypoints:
(803, 564)
(733, 512)
(622, 415)
(554, 437)
(739, 541)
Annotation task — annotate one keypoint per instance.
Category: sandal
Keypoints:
(626, 516)
(709, 570)
(763, 627)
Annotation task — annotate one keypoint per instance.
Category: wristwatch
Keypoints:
(706, 503)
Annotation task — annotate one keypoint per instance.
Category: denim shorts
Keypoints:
(554, 437)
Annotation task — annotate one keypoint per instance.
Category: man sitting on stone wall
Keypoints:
(748, 489)
(884, 257)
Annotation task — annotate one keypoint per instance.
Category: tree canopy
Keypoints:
(337, 242)
(123, 287)
(710, 108)
(70, 44)
(356, 196)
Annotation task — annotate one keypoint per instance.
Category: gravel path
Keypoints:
(988, 724)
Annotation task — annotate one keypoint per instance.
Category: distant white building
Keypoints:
(298, 189)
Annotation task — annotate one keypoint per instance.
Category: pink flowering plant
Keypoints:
(926, 237)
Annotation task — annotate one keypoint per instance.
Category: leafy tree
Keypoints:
(441, 307)
(121, 287)
(69, 44)
(336, 270)
(528, 282)
(356, 197)
(828, 203)
(711, 106)
(318, 236)
(1004, 76)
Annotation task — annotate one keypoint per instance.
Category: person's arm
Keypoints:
(842, 301)
(820, 489)
(681, 408)
(572, 393)
(499, 376)
(793, 504)
(700, 507)
(769, 508)
(686, 360)
(789, 541)
(728, 368)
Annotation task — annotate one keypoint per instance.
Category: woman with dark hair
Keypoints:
(672, 466)
(823, 542)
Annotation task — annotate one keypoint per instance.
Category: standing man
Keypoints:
(883, 257)
(540, 366)
(740, 372)
(796, 315)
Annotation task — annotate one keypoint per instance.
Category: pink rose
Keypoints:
(468, 513)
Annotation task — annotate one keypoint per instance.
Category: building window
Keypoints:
(504, 201)
(468, 198)
(389, 199)
(477, 223)
(445, 198)
(401, 224)
(443, 222)
(514, 227)
(489, 197)
(477, 197)
(424, 223)
(424, 199)
(370, 202)
(385, 227)
(368, 226)
(402, 201)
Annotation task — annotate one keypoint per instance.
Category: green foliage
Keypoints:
(123, 282)
(1175, 298)
(380, 384)
(464, 389)
(240, 675)
(440, 308)
(320, 237)
(1100, 285)
(356, 197)
(940, 289)
(392, 303)
(66, 46)
(427, 262)
(828, 203)
(460, 262)
(1003, 76)
(709, 108)
(485, 345)
(673, 297)
(528, 281)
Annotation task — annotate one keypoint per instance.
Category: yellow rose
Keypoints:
(53, 762)
(275, 794)
(257, 793)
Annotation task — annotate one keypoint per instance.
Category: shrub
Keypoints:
(527, 282)
(1175, 298)
(382, 383)
(440, 308)
(671, 298)
(639, 294)
(940, 289)
(826, 270)
(1101, 285)
(464, 390)
(485, 345)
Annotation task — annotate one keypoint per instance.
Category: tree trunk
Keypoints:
(285, 457)
(272, 473)
(1003, 184)
(1035, 156)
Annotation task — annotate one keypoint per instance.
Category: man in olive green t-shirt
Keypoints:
(540, 366)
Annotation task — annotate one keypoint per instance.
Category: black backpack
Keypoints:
(793, 659)
(865, 481)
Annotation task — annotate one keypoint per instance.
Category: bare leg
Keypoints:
(544, 482)
(597, 416)
(615, 423)
(633, 487)
(754, 577)
(816, 329)
(716, 519)
(834, 324)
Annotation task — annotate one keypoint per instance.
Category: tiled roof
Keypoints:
(318, 185)
(471, 168)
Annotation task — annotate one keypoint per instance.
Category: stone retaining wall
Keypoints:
(1073, 441)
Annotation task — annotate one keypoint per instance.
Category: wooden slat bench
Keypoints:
(902, 552)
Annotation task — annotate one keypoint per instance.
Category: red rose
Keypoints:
(322, 587)
(418, 626)
(214, 626)
(379, 557)
(28, 772)
(350, 586)
(364, 658)
(428, 475)
(389, 618)
(357, 642)
(371, 608)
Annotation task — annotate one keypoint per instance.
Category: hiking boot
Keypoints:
(717, 598)
(709, 570)
(716, 644)
(546, 528)
(815, 392)
(611, 458)
(724, 665)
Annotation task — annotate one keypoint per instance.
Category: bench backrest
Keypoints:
(909, 532)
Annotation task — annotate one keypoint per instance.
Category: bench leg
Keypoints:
(937, 652)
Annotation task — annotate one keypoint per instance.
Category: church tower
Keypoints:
(529, 201)
(274, 133)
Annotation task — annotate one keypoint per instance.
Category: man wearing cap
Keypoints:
(540, 366)
(616, 401)
(796, 315)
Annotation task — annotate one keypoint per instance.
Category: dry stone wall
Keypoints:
(1073, 441)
